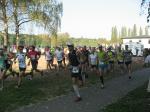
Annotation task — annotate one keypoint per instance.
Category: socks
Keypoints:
(76, 90)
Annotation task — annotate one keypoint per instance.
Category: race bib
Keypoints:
(75, 70)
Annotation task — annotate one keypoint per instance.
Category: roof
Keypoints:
(138, 37)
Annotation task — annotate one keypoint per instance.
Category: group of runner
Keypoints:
(98, 60)
(80, 59)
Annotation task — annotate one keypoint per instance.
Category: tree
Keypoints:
(123, 32)
(145, 5)
(146, 31)
(114, 35)
(129, 32)
(140, 31)
(134, 32)
(4, 19)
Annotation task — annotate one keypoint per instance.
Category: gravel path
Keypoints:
(94, 98)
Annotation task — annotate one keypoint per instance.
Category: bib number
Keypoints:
(75, 70)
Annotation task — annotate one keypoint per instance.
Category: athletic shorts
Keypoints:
(120, 62)
(22, 69)
(128, 62)
(48, 61)
(103, 66)
(94, 66)
(7, 64)
(34, 64)
(1, 69)
(59, 62)
(111, 62)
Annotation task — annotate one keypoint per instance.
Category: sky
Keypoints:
(95, 18)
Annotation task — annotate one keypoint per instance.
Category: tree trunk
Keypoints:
(6, 37)
(17, 35)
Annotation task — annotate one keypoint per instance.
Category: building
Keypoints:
(144, 40)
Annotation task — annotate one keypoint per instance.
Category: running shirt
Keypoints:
(73, 59)
(21, 59)
(93, 59)
(127, 56)
(82, 57)
(110, 55)
(48, 55)
(59, 55)
(120, 56)
(2, 62)
(101, 57)
(33, 55)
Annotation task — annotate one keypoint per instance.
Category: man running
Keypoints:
(59, 54)
(93, 59)
(75, 72)
(128, 60)
(21, 56)
(2, 68)
(111, 56)
(120, 59)
(102, 60)
(49, 58)
(34, 57)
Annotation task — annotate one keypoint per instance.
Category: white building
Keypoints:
(144, 40)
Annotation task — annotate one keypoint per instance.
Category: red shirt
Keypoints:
(33, 55)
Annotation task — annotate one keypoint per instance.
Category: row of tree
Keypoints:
(15, 13)
(116, 34)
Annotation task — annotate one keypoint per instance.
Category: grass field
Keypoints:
(43, 88)
(136, 101)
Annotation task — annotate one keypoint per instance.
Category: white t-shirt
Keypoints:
(93, 59)
(48, 55)
(21, 59)
(59, 55)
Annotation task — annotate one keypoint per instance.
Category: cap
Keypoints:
(70, 44)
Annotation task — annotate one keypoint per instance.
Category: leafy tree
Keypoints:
(134, 32)
(141, 31)
(146, 31)
(4, 20)
(129, 32)
(114, 35)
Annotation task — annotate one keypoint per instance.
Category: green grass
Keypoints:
(41, 89)
(136, 101)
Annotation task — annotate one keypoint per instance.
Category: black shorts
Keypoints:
(119, 62)
(22, 69)
(94, 66)
(34, 64)
(49, 61)
(111, 62)
(128, 62)
(1, 69)
(59, 62)
(7, 64)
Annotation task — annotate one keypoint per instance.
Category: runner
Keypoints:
(86, 53)
(49, 58)
(21, 56)
(102, 60)
(8, 63)
(93, 59)
(75, 72)
(120, 59)
(2, 68)
(59, 54)
(82, 60)
(34, 57)
(128, 60)
(111, 56)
